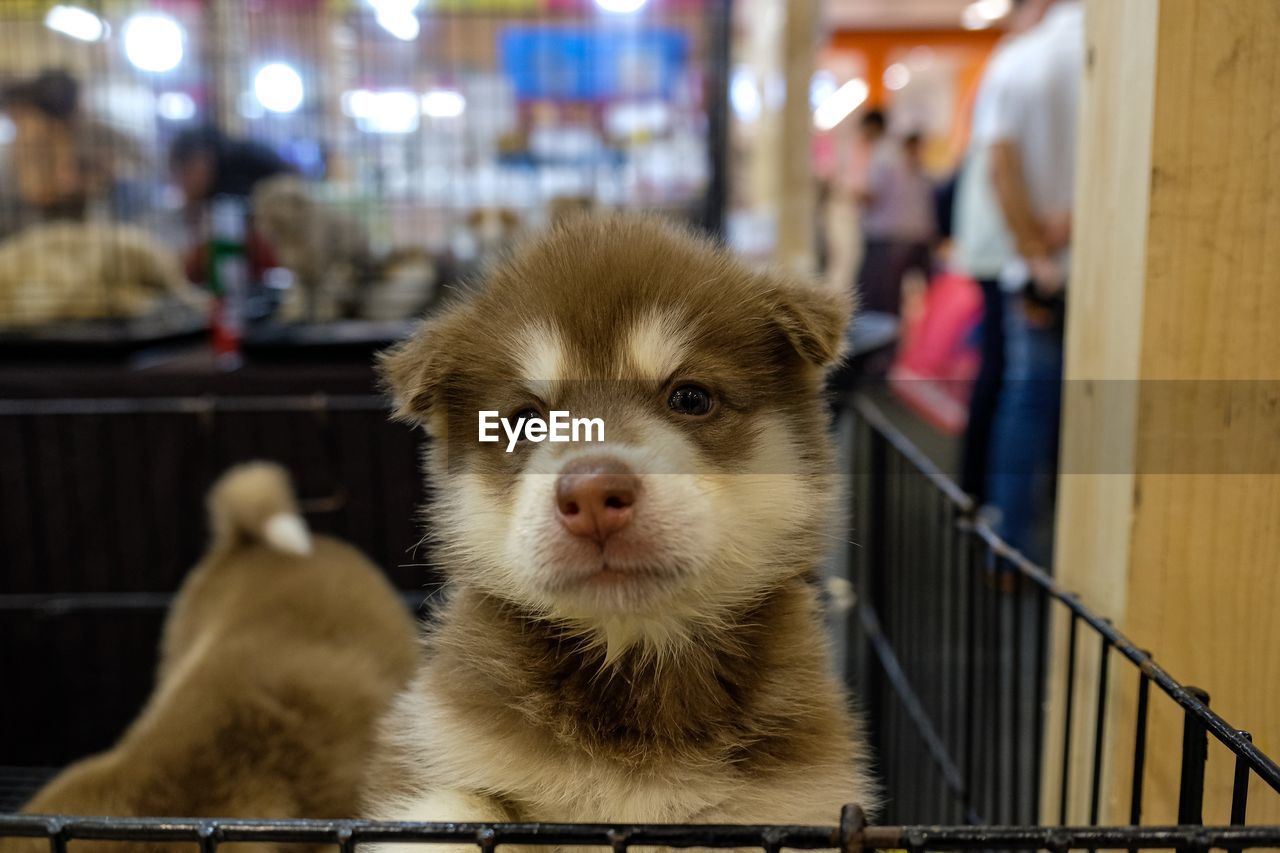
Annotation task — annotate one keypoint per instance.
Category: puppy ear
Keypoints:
(813, 317)
(413, 373)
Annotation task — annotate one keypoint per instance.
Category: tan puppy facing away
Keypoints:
(630, 633)
(278, 655)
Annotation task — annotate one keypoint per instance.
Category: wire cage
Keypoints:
(954, 645)
(950, 647)
(368, 153)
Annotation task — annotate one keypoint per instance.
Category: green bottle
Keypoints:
(228, 278)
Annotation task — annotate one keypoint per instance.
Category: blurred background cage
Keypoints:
(372, 151)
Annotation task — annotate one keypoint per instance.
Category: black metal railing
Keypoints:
(851, 834)
(73, 465)
(951, 648)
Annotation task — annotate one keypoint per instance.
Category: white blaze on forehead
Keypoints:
(657, 345)
(537, 351)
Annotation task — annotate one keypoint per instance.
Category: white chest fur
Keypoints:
(465, 768)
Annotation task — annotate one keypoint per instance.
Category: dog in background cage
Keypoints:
(336, 273)
(327, 253)
(630, 633)
(486, 236)
(88, 271)
(278, 654)
(563, 208)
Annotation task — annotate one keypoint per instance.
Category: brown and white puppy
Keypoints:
(327, 253)
(278, 655)
(629, 633)
(406, 282)
(78, 271)
(337, 274)
(491, 233)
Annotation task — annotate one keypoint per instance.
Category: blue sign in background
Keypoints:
(573, 63)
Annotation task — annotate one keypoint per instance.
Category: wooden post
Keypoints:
(226, 57)
(1169, 498)
(796, 200)
(775, 179)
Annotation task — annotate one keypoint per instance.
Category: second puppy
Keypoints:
(278, 655)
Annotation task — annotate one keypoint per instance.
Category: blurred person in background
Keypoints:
(898, 217)
(1032, 151)
(206, 163)
(983, 247)
(67, 165)
(899, 226)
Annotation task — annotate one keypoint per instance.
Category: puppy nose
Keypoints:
(595, 496)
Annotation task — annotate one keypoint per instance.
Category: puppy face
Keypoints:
(714, 480)
(493, 229)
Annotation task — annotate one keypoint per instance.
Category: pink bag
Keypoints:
(938, 356)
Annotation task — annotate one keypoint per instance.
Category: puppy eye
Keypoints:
(527, 414)
(690, 400)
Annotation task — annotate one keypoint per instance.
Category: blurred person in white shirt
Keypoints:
(1032, 151)
(983, 245)
(898, 222)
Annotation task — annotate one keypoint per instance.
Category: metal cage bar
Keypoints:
(987, 747)
(850, 834)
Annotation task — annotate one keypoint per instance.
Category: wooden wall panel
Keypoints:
(1169, 514)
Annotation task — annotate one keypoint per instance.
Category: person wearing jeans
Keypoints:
(983, 246)
(1033, 133)
(1023, 457)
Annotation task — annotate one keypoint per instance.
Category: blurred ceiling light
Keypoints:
(443, 103)
(972, 19)
(397, 17)
(840, 104)
(821, 86)
(175, 106)
(76, 22)
(353, 102)
(622, 7)
(390, 111)
(896, 76)
(278, 87)
(153, 42)
(981, 14)
(744, 95)
(993, 10)
(401, 23)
